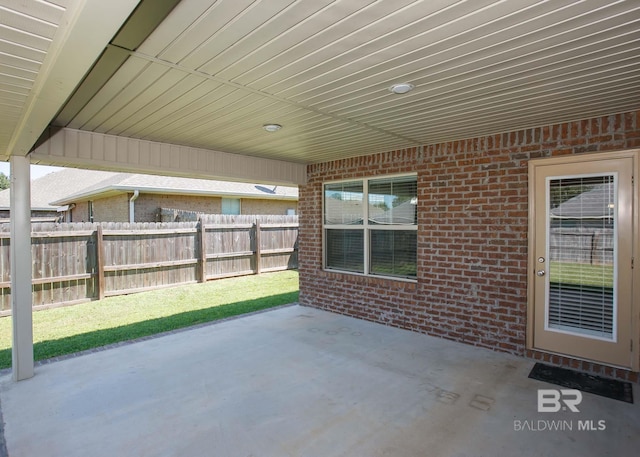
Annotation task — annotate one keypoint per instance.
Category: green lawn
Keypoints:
(76, 328)
(581, 274)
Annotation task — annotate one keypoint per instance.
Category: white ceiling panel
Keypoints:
(425, 66)
(318, 29)
(213, 72)
(46, 49)
(531, 112)
(122, 80)
(16, 72)
(23, 17)
(144, 84)
(168, 108)
(155, 97)
(373, 36)
(26, 31)
(500, 93)
(43, 10)
(20, 51)
(28, 40)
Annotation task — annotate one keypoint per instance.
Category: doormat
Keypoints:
(610, 388)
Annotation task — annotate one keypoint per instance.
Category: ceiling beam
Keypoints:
(144, 20)
(85, 31)
(82, 149)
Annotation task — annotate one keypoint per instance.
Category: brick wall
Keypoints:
(472, 235)
(111, 209)
(147, 205)
(257, 206)
(80, 213)
(116, 209)
(35, 214)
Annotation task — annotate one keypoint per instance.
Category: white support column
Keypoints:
(21, 298)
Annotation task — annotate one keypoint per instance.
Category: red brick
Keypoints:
(473, 218)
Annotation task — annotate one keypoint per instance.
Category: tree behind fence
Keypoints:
(79, 262)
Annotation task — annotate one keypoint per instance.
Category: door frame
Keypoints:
(635, 274)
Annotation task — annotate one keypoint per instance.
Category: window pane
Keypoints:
(581, 237)
(343, 203)
(393, 200)
(345, 250)
(393, 253)
(230, 206)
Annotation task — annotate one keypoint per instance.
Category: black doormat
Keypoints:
(611, 388)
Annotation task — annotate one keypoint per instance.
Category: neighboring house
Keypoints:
(48, 188)
(582, 228)
(593, 207)
(73, 195)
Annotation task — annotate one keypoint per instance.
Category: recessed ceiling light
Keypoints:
(272, 127)
(401, 88)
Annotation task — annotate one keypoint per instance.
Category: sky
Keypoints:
(36, 170)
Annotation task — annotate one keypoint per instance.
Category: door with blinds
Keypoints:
(581, 257)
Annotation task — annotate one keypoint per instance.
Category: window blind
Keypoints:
(581, 238)
(370, 226)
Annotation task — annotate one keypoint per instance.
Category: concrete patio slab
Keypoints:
(302, 382)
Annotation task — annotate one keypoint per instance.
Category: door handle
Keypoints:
(540, 272)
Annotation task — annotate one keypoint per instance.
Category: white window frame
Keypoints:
(365, 226)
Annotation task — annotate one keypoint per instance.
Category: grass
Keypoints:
(77, 328)
(581, 274)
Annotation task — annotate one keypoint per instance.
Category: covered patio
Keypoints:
(459, 95)
(298, 381)
(450, 100)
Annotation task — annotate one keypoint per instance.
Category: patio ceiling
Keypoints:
(46, 48)
(213, 72)
(26, 33)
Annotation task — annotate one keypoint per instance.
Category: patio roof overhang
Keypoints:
(185, 87)
(208, 75)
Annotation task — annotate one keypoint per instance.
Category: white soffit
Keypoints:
(26, 32)
(214, 72)
(46, 48)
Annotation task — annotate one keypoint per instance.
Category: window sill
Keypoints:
(370, 276)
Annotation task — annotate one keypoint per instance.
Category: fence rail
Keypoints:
(80, 262)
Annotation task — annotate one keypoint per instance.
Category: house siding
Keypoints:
(472, 235)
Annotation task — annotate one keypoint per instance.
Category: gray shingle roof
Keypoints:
(69, 185)
(593, 204)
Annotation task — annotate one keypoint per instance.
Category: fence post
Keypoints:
(202, 261)
(258, 254)
(100, 263)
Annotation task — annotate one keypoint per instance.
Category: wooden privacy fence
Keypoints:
(581, 245)
(79, 262)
